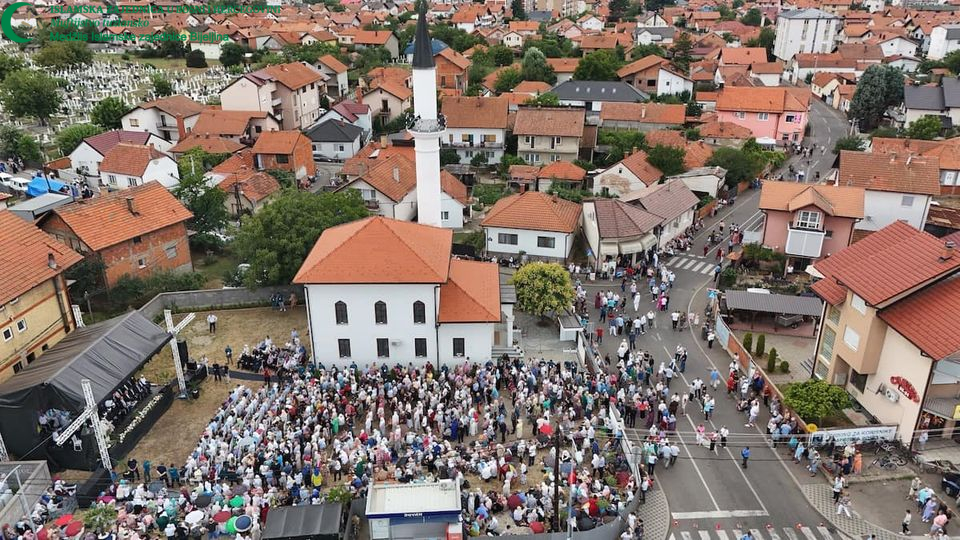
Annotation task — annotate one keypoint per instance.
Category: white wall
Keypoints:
(940, 46)
(607, 178)
(85, 156)
(454, 138)
(672, 229)
(820, 35)
(163, 170)
(898, 46)
(884, 207)
(527, 242)
(403, 210)
(477, 342)
(141, 120)
(670, 84)
(591, 230)
(338, 150)
(454, 211)
(704, 183)
(243, 95)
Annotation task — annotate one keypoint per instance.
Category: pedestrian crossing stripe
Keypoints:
(784, 533)
(692, 264)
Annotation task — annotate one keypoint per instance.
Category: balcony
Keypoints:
(372, 205)
(427, 125)
(804, 242)
(481, 144)
(165, 127)
(276, 102)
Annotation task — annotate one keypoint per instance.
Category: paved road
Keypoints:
(827, 125)
(710, 496)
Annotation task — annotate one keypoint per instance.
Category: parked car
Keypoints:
(14, 183)
(950, 482)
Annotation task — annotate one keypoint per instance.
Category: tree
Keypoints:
(543, 288)
(852, 142)
(372, 57)
(162, 86)
(643, 51)
(815, 399)
(952, 62)
(506, 162)
(748, 342)
(479, 160)
(740, 165)
(518, 12)
(507, 80)
(30, 93)
(772, 360)
(547, 99)
(926, 128)
(536, 68)
(766, 39)
(880, 87)
(618, 8)
(449, 156)
(69, 138)
(15, 143)
(172, 48)
(682, 52)
(61, 54)
(232, 54)
(500, 55)
(598, 66)
(100, 519)
(669, 159)
(9, 64)
(206, 202)
(108, 112)
(761, 346)
(276, 240)
(753, 17)
(283, 177)
(196, 59)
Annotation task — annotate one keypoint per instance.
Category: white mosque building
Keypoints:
(379, 290)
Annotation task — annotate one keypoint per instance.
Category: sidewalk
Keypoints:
(655, 514)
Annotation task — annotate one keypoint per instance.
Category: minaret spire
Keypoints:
(427, 126)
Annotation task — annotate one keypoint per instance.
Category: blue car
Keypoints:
(951, 484)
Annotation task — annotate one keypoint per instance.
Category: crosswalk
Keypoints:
(769, 533)
(692, 264)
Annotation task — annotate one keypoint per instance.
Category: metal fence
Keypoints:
(21, 485)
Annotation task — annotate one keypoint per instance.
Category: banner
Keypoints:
(723, 334)
(861, 434)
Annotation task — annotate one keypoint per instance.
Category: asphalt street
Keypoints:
(827, 125)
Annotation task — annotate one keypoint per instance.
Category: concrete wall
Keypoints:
(777, 225)
(208, 299)
(477, 342)
(884, 207)
(41, 313)
(527, 242)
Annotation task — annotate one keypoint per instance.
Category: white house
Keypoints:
(632, 173)
(944, 39)
(672, 83)
(706, 180)
(805, 31)
(127, 165)
(349, 111)
(337, 83)
(170, 118)
(613, 228)
(422, 307)
(476, 125)
(291, 92)
(590, 23)
(335, 139)
(86, 157)
(898, 46)
(539, 225)
(898, 187)
(513, 39)
(672, 202)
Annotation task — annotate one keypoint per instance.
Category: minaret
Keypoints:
(427, 126)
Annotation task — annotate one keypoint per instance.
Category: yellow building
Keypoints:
(35, 311)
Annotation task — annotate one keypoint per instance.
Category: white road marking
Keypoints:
(755, 533)
(790, 534)
(722, 534)
(689, 264)
(737, 534)
(697, 267)
(708, 268)
(773, 534)
(808, 533)
(825, 532)
(704, 535)
(719, 514)
(686, 535)
(693, 462)
(672, 537)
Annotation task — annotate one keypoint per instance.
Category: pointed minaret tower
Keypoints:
(427, 126)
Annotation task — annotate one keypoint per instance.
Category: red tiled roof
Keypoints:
(644, 113)
(23, 256)
(229, 123)
(761, 99)
(331, 62)
(642, 64)
(562, 170)
(475, 112)
(394, 177)
(534, 211)
(725, 130)
(559, 122)
(209, 143)
(928, 318)
(453, 187)
(471, 294)
(277, 142)
(743, 55)
(175, 106)
(255, 185)
(641, 168)
(617, 219)
(130, 159)
(104, 142)
(890, 172)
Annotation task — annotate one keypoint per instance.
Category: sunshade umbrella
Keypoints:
(514, 501)
(243, 524)
(63, 520)
(194, 517)
(546, 429)
(231, 526)
(221, 517)
(73, 528)
(203, 501)
(236, 502)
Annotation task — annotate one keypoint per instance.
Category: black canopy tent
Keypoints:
(310, 522)
(106, 353)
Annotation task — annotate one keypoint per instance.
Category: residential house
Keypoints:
(351, 112)
(906, 64)
(378, 38)
(898, 46)
(942, 100)
(605, 42)
(643, 74)
(809, 64)
(768, 73)
(548, 134)
(642, 116)
(536, 224)
(944, 39)
(336, 73)
(388, 99)
(807, 30)
(562, 174)
(654, 35)
(133, 232)
(34, 303)
(170, 118)
(774, 115)
(522, 177)
(742, 56)
(672, 202)
(631, 174)
(212, 144)
(947, 153)
(590, 23)
(702, 180)
(425, 307)
(563, 68)
(290, 151)
(696, 153)
(127, 165)
(593, 95)
(613, 228)
(724, 134)
(248, 191)
(476, 125)
(809, 222)
(242, 127)
(887, 336)
(290, 92)
(451, 68)
(86, 157)
(512, 39)
(335, 139)
(898, 187)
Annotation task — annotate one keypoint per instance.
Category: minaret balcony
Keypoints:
(427, 125)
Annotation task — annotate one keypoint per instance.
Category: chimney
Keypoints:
(51, 262)
(643, 111)
(396, 174)
(383, 141)
(554, 197)
(130, 206)
(633, 151)
(947, 251)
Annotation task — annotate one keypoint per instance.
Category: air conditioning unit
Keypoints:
(892, 395)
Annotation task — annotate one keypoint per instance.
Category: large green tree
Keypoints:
(206, 202)
(9, 64)
(815, 399)
(15, 143)
(926, 128)
(499, 55)
(753, 17)
(172, 48)
(543, 288)
(766, 39)
(536, 68)
(740, 165)
(162, 86)
(952, 61)
(276, 240)
(642, 51)
(232, 54)
(682, 52)
(669, 159)
(61, 54)
(30, 93)
(598, 66)
(547, 99)
(880, 87)
(70, 137)
(108, 112)
(853, 143)
(516, 6)
(507, 79)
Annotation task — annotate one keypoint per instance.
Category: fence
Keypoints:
(21, 485)
(215, 299)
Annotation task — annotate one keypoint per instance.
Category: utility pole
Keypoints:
(556, 481)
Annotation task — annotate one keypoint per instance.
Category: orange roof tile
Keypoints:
(454, 58)
(453, 187)
(535, 211)
(371, 154)
(563, 170)
(209, 143)
(471, 294)
(527, 173)
(642, 64)
(372, 37)
(838, 201)
(928, 318)
(278, 142)
(743, 55)
(637, 164)
(563, 65)
(255, 185)
(644, 113)
(532, 87)
(417, 253)
(559, 122)
(24, 251)
(392, 87)
(175, 106)
(394, 177)
(130, 159)
(475, 112)
(665, 137)
(759, 99)
(105, 221)
(331, 62)
(229, 123)
(897, 173)
(293, 75)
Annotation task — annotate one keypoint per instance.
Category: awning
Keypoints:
(774, 303)
(639, 246)
(943, 407)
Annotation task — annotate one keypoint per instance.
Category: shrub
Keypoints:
(772, 360)
(785, 366)
(761, 346)
(748, 341)
(134, 291)
(815, 399)
(196, 59)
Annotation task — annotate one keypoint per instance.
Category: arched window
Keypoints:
(380, 312)
(419, 313)
(340, 309)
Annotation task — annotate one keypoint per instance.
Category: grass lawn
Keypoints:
(214, 266)
(160, 63)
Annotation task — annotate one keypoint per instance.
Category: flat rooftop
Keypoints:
(389, 498)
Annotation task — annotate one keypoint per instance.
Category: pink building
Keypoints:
(808, 222)
(773, 114)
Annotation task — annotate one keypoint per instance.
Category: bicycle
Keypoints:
(889, 462)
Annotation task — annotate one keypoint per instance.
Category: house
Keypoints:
(742, 56)
(170, 118)
(86, 157)
(768, 73)
(563, 68)
(212, 144)
(451, 69)
(476, 125)
(286, 150)
(887, 336)
(702, 180)
(942, 100)
(364, 39)
(654, 35)
(898, 187)
(512, 39)
(242, 127)
(808, 222)
(604, 42)
(33, 292)
(522, 177)
(898, 46)
(562, 174)
(724, 134)
(944, 39)
(613, 228)
(426, 307)
(351, 112)
(548, 134)
(631, 174)
(672, 202)
(290, 92)
(809, 64)
(947, 153)
(590, 23)
(774, 115)
(593, 95)
(535, 224)
(807, 30)
(335, 139)
(133, 232)
(643, 74)
(248, 191)
(388, 99)
(642, 116)
(336, 73)
(127, 165)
